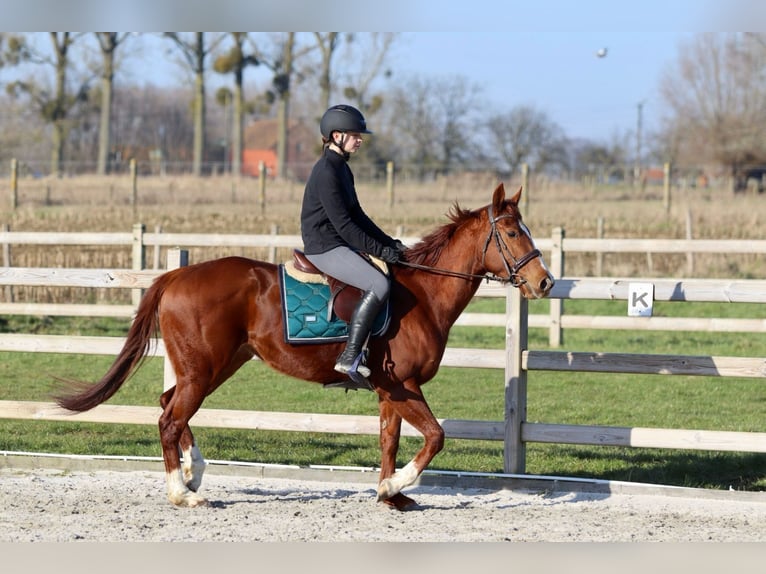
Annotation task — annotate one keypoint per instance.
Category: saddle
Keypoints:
(343, 297)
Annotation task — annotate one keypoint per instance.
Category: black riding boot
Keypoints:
(358, 330)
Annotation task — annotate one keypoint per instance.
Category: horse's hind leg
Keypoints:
(176, 438)
(193, 465)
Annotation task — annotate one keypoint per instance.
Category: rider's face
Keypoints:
(349, 141)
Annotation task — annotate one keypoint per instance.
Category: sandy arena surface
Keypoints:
(118, 506)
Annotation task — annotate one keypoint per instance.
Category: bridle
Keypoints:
(505, 253)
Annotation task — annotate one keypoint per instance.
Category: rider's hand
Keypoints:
(400, 247)
(390, 255)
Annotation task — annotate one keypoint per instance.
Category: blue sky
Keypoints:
(557, 72)
(521, 52)
(544, 54)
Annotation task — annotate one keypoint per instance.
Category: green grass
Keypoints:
(711, 403)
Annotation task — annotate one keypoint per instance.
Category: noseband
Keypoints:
(513, 270)
(505, 253)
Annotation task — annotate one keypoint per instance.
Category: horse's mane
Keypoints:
(428, 250)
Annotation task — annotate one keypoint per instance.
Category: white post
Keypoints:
(514, 459)
(139, 258)
(555, 332)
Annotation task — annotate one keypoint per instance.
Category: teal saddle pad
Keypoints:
(306, 316)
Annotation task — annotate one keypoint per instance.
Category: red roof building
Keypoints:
(260, 145)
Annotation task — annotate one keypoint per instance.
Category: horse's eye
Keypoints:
(512, 233)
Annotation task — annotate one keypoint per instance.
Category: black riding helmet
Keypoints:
(342, 118)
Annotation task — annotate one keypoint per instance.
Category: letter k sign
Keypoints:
(640, 299)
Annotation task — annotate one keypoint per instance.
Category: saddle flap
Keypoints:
(313, 312)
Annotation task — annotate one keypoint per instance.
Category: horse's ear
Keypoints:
(515, 199)
(498, 197)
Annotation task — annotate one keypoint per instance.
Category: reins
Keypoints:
(451, 273)
(513, 270)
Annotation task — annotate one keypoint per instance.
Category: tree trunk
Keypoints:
(236, 128)
(283, 110)
(327, 46)
(199, 105)
(59, 113)
(105, 121)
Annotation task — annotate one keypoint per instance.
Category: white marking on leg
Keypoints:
(401, 479)
(178, 494)
(193, 467)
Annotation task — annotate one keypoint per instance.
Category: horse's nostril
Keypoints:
(546, 284)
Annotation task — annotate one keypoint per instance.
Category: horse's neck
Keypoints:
(447, 296)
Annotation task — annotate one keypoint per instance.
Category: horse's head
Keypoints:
(509, 250)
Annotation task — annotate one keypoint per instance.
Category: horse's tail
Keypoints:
(82, 396)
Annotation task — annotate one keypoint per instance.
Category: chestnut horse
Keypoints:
(216, 315)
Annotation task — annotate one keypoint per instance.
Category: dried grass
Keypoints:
(223, 204)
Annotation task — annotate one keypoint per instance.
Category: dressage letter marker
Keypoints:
(640, 299)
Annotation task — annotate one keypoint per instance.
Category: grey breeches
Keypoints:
(348, 266)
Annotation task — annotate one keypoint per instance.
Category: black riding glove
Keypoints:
(390, 255)
(399, 246)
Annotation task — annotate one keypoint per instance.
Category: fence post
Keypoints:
(525, 187)
(555, 332)
(262, 186)
(156, 256)
(514, 451)
(273, 249)
(7, 263)
(139, 257)
(177, 257)
(134, 185)
(14, 184)
(390, 182)
(666, 186)
(689, 235)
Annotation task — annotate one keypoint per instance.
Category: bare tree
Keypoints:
(414, 119)
(367, 56)
(108, 42)
(195, 53)
(53, 106)
(281, 60)
(526, 135)
(435, 119)
(235, 61)
(716, 97)
(600, 161)
(151, 118)
(328, 44)
(457, 100)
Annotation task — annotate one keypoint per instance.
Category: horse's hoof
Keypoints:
(190, 500)
(386, 490)
(401, 502)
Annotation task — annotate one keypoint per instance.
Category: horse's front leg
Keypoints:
(406, 402)
(390, 433)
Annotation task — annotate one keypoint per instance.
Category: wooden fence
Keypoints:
(516, 360)
(146, 248)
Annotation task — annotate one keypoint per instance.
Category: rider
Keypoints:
(335, 230)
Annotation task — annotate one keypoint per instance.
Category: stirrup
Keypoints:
(358, 381)
(350, 385)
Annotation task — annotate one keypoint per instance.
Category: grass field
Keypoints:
(602, 399)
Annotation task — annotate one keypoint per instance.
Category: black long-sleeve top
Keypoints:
(331, 215)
